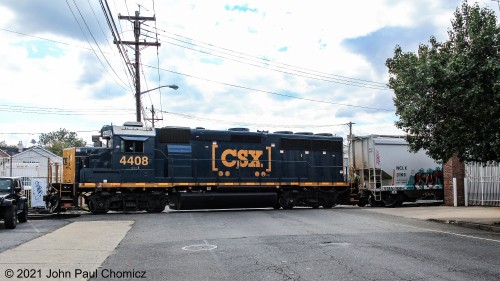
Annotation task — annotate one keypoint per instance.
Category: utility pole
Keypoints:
(350, 160)
(350, 129)
(153, 119)
(137, 20)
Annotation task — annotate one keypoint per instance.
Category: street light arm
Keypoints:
(175, 87)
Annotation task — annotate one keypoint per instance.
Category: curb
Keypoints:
(51, 216)
(482, 226)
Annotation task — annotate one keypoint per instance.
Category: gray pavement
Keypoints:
(262, 244)
(486, 218)
(72, 252)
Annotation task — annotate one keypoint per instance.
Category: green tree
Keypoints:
(59, 140)
(447, 95)
(5, 145)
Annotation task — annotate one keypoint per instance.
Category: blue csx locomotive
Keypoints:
(133, 167)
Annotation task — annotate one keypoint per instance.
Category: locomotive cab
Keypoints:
(110, 177)
(127, 155)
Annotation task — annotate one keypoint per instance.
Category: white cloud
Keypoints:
(66, 81)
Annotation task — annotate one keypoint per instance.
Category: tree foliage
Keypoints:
(5, 145)
(447, 95)
(56, 141)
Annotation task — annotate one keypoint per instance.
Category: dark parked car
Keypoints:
(13, 203)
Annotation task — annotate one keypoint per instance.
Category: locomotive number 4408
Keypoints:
(134, 160)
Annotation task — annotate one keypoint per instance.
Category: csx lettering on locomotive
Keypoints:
(243, 158)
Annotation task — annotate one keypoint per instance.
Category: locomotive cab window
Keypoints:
(132, 144)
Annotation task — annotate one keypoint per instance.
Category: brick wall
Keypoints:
(454, 168)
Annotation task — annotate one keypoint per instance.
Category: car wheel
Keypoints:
(23, 216)
(10, 217)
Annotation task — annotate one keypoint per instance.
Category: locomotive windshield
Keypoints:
(132, 144)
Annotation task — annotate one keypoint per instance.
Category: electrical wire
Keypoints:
(249, 124)
(218, 82)
(63, 111)
(116, 37)
(279, 67)
(269, 92)
(95, 41)
(109, 44)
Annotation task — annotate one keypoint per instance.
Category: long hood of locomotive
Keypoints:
(183, 157)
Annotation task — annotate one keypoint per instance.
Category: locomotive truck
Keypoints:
(133, 167)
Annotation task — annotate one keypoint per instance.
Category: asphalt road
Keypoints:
(302, 244)
(24, 232)
(343, 243)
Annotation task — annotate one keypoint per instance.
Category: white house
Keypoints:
(36, 162)
(4, 164)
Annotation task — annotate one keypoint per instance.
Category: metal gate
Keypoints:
(482, 181)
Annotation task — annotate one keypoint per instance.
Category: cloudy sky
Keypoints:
(265, 65)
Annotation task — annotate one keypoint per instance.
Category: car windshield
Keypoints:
(5, 184)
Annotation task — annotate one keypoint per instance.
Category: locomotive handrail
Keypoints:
(156, 149)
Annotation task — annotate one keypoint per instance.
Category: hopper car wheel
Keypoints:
(374, 203)
(362, 202)
(315, 206)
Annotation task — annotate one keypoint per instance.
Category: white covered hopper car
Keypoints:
(385, 173)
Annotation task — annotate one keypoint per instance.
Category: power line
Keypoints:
(63, 111)
(249, 124)
(278, 66)
(96, 111)
(47, 39)
(83, 131)
(269, 92)
(109, 44)
(74, 16)
(222, 83)
(116, 37)
(296, 73)
(218, 82)
(157, 58)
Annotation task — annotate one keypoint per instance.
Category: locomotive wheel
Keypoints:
(95, 206)
(53, 204)
(285, 203)
(155, 210)
(328, 205)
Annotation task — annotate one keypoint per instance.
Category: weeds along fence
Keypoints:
(483, 183)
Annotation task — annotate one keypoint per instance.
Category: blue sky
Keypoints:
(267, 65)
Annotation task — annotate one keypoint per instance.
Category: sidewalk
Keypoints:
(486, 218)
